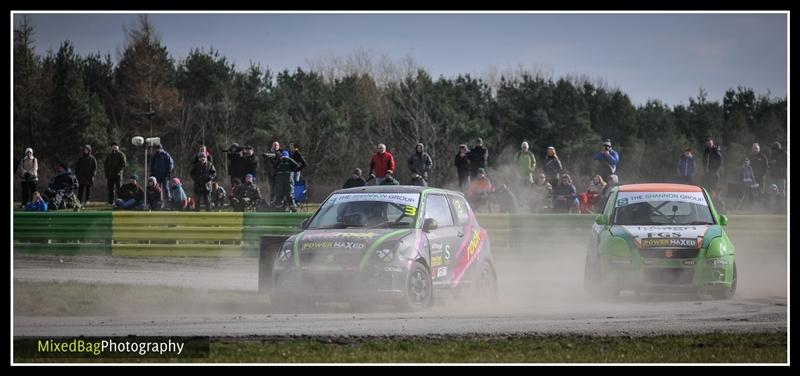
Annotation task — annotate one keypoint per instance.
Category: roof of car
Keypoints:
(659, 187)
(391, 189)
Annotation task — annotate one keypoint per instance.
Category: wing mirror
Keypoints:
(430, 224)
(601, 220)
(723, 220)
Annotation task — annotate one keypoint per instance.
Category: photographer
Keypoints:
(249, 163)
(28, 171)
(271, 159)
(235, 162)
(246, 195)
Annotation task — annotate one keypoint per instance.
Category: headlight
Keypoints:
(285, 254)
(717, 261)
(385, 255)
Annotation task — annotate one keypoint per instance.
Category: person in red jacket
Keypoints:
(381, 163)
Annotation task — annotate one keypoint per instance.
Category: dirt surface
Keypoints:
(540, 292)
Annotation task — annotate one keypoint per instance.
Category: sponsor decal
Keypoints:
(407, 199)
(385, 255)
(669, 242)
(628, 198)
(436, 248)
(688, 262)
(668, 253)
(331, 244)
(447, 253)
(436, 261)
(410, 210)
(441, 272)
(473, 243)
(393, 269)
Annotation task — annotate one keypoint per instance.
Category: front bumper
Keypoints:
(666, 275)
(375, 283)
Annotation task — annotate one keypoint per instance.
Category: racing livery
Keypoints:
(660, 237)
(386, 243)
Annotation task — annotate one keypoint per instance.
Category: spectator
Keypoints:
(355, 180)
(114, 164)
(507, 200)
(246, 196)
(566, 197)
(552, 167)
(217, 196)
(478, 158)
(712, 163)
(541, 198)
(611, 182)
(236, 162)
(28, 172)
(480, 189)
(235, 184)
(420, 163)
(417, 180)
(294, 153)
(524, 163)
(389, 179)
(177, 198)
(85, 170)
(759, 161)
(462, 167)
(201, 149)
(776, 204)
(686, 167)
(382, 162)
(284, 193)
(36, 203)
(589, 199)
(203, 172)
(155, 196)
(608, 159)
(777, 170)
(249, 163)
(747, 180)
(131, 195)
(161, 167)
(271, 159)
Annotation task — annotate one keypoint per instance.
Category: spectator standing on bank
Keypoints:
(462, 167)
(161, 167)
(85, 170)
(271, 159)
(28, 172)
(114, 164)
(607, 158)
(777, 170)
(355, 180)
(686, 167)
(759, 161)
(478, 158)
(524, 164)
(249, 163)
(284, 194)
(382, 162)
(420, 163)
(552, 167)
(295, 154)
(712, 163)
(203, 172)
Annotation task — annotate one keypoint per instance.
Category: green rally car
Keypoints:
(660, 238)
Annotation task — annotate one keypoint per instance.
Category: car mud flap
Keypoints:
(269, 246)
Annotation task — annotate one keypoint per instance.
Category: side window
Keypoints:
(461, 209)
(437, 208)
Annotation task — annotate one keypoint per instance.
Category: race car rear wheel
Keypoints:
(727, 293)
(417, 290)
(486, 283)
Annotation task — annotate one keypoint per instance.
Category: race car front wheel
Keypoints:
(727, 293)
(487, 283)
(417, 290)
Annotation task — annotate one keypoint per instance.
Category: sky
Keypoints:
(664, 56)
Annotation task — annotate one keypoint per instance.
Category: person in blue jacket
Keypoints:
(608, 159)
(36, 204)
(161, 167)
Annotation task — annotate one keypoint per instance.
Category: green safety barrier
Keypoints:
(224, 234)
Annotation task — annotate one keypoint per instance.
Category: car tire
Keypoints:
(727, 293)
(486, 283)
(417, 289)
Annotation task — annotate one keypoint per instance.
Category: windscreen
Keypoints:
(662, 208)
(367, 210)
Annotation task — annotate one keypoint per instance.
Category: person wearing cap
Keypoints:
(284, 190)
(155, 195)
(28, 172)
(249, 163)
(777, 169)
(759, 161)
(202, 149)
(607, 159)
(420, 163)
(712, 164)
(524, 164)
(355, 180)
(131, 195)
(686, 167)
(161, 167)
(462, 167)
(85, 170)
(382, 162)
(114, 164)
(478, 158)
(203, 172)
(178, 199)
(480, 189)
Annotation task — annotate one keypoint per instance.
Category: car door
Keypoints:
(441, 240)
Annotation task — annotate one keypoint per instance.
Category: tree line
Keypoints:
(338, 112)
